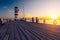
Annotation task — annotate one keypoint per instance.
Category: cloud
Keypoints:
(27, 15)
(5, 7)
(10, 13)
(10, 10)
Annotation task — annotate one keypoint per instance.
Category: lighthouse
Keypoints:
(16, 13)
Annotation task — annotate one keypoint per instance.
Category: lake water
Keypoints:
(50, 21)
(47, 21)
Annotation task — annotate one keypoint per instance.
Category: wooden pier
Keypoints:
(20, 30)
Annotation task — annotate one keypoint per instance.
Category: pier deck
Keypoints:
(20, 30)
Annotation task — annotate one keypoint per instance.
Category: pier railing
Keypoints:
(35, 20)
(40, 20)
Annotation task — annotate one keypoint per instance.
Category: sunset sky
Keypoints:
(31, 7)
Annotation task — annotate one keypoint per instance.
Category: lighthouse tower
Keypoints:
(16, 13)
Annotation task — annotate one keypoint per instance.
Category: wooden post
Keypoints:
(25, 19)
(32, 19)
(0, 22)
(36, 19)
(44, 21)
(54, 22)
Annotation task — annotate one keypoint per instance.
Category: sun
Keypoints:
(54, 16)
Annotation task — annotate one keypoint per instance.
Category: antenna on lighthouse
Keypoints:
(23, 12)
